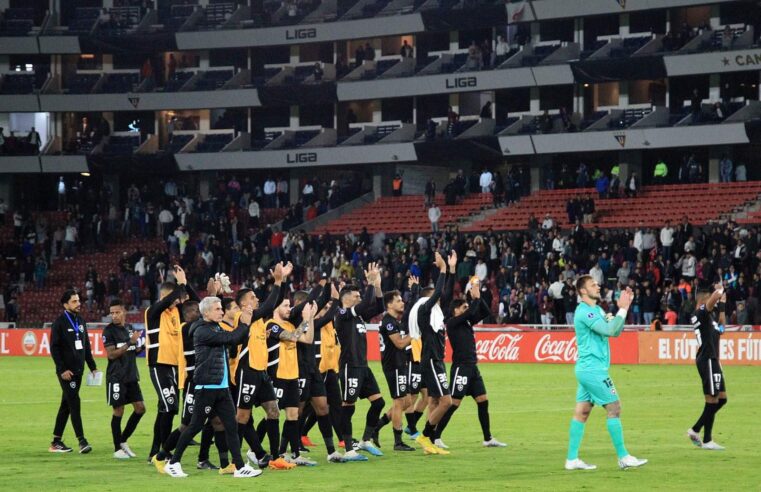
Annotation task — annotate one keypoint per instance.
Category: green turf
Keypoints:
(530, 409)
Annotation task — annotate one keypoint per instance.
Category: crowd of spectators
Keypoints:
(13, 144)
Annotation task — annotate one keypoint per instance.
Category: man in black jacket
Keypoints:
(212, 387)
(70, 349)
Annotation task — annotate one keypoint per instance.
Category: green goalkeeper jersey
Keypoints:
(592, 333)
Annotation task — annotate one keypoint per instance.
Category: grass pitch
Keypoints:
(530, 409)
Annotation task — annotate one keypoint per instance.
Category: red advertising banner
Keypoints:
(549, 347)
(21, 341)
(735, 348)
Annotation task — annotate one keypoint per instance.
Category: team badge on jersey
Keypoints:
(591, 315)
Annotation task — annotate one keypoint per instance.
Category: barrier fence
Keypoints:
(502, 344)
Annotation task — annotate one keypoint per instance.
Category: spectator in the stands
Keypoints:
(660, 173)
(485, 181)
(727, 38)
(146, 71)
(501, 48)
(318, 72)
(434, 214)
(726, 169)
(270, 193)
(615, 186)
(632, 185)
(406, 50)
(694, 170)
(740, 174)
(453, 119)
(171, 66)
(70, 241)
(34, 141)
(601, 185)
(307, 193)
(548, 224)
(474, 59)
(369, 52)
(430, 192)
(486, 111)
(696, 105)
(165, 222)
(486, 54)
(397, 184)
(667, 239)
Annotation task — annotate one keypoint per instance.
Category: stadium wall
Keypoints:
(505, 344)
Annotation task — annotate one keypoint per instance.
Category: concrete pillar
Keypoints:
(535, 32)
(377, 112)
(536, 179)
(578, 33)
(108, 4)
(294, 120)
(203, 62)
(204, 123)
(714, 157)
(454, 101)
(623, 24)
(294, 187)
(629, 162)
(5, 63)
(623, 93)
(108, 62)
(454, 40)
(378, 184)
(715, 16)
(534, 97)
(714, 87)
(295, 56)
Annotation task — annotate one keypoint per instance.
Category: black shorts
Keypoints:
(304, 388)
(398, 384)
(356, 383)
(711, 375)
(164, 379)
(287, 392)
(316, 386)
(467, 381)
(332, 387)
(252, 388)
(415, 378)
(435, 377)
(120, 394)
(188, 401)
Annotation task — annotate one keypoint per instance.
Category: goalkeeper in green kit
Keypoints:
(593, 328)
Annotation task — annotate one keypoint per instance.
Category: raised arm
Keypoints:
(268, 306)
(615, 326)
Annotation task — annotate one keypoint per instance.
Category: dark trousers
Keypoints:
(70, 407)
(210, 402)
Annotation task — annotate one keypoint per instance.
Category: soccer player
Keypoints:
(394, 342)
(283, 367)
(162, 322)
(417, 385)
(357, 380)
(212, 427)
(465, 377)
(593, 328)
(708, 333)
(212, 393)
(122, 345)
(427, 318)
(253, 384)
(70, 349)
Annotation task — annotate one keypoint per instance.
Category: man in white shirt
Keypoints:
(548, 223)
(596, 273)
(556, 294)
(165, 219)
(3, 211)
(687, 263)
(485, 181)
(69, 241)
(648, 241)
(270, 188)
(434, 214)
(61, 194)
(481, 270)
(558, 245)
(667, 240)
(308, 193)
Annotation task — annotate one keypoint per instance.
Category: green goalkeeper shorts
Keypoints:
(595, 387)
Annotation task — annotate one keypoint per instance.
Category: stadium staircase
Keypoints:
(702, 203)
(403, 214)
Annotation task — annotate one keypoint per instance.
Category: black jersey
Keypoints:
(707, 333)
(391, 356)
(123, 369)
(352, 331)
(460, 332)
(308, 363)
(188, 350)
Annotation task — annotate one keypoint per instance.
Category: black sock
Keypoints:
(347, 413)
(248, 434)
(708, 422)
(701, 421)
(220, 440)
(261, 429)
(412, 420)
(166, 426)
(384, 420)
(273, 433)
(132, 422)
(116, 431)
(168, 446)
(291, 436)
(445, 420)
(207, 436)
(397, 436)
(327, 432)
(156, 444)
(309, 421)
(483, 418)
(371, 419)
(722, 402)
(429, 430)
